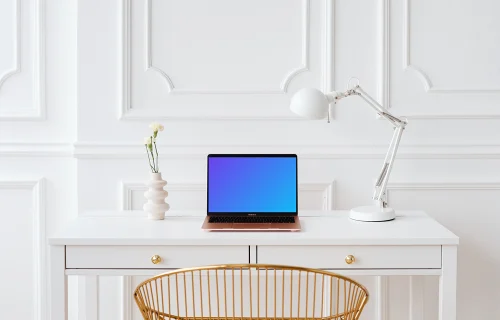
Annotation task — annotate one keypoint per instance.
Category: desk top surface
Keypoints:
(318, 228)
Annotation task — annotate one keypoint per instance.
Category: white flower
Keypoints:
(147, 140)
(155, 126)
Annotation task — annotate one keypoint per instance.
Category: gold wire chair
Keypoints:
(250, 291)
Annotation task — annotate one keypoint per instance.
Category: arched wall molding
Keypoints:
(127, 111)
(37, 111)
(420, 73)
(281, 89)
(16, 68)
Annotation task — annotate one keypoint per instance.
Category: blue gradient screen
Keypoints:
(252, 184)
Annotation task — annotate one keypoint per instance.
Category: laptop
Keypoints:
(252, 192)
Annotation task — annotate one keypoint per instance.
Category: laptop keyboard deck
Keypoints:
(250, 219)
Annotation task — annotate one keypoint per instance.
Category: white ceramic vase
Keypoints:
(156, 205)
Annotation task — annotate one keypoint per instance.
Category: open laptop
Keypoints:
(252, 192)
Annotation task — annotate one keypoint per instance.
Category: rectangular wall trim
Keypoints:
(127, 112)
(126, 189)
(94, 150)
(385, 28)
(37, 187)
(37, 112)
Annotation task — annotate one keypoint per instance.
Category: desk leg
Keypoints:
(58, 284)
(448, 284)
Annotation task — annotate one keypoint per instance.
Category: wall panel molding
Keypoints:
(426, 81)
(385, 84)
(127, 112)
(327, 191)
(149, 54)
(92, 150)
(392, 186)
(38, 111)
(385, 54)
(97, 150)
(328, 49)
(16, 68)
(452, 116)
(382, 298)
(88, 297)
(443, 186)
(127, 303)
(42, 149)
(417, 292)
(304, 66)
(283, 87)
(406, 49)
(127, 188)
(37, 187)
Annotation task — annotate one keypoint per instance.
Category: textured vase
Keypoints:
(156, 205)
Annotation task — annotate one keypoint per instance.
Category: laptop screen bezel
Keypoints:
(274, 213)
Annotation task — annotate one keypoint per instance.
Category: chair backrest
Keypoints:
(250, 291)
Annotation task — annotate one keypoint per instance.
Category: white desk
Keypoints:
(123, 244)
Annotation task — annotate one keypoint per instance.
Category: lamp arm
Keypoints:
(379, 194)
(379, 109)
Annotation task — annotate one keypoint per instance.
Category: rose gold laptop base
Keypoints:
(261, 227)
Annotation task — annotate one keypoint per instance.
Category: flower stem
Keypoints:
(157, 158)
(152, 156)
(149, 159)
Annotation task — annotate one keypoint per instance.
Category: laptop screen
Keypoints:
(252, 184)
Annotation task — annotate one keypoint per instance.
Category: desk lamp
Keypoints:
(314, 104)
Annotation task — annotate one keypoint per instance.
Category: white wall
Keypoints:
(80, 82)
(37, 129)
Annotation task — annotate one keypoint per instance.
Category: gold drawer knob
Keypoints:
(350, 259)
(155, 259)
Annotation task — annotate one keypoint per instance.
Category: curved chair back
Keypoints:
(250, 292)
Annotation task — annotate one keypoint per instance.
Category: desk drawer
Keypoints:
(366, 257)
(130, 257)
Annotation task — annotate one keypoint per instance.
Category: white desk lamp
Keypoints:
(314, 104)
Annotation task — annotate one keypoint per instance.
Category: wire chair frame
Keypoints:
(250, 291)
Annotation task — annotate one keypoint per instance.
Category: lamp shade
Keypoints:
(310, 103)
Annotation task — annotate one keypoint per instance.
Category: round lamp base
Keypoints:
(372, 214)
